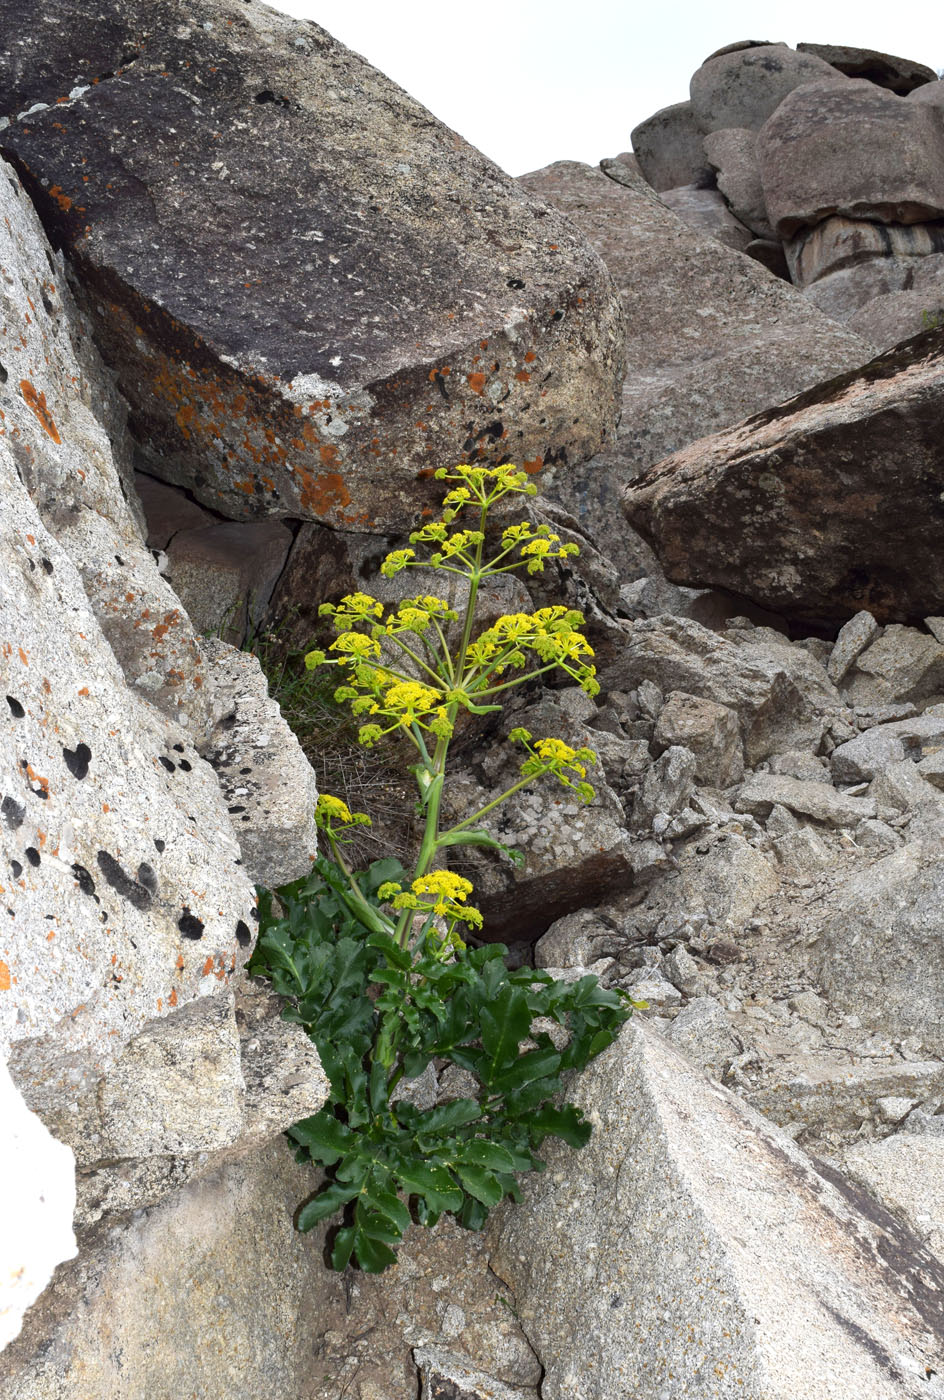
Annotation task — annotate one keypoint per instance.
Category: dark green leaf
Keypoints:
(331, 1199)
(480, 1184)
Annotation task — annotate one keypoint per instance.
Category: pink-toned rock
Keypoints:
(844, 146)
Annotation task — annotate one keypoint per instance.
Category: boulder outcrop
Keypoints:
(792, 508)
(226, 270)
(711, 336)
(742, 87)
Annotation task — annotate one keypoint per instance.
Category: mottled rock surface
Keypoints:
(126, 897)
(314, 290)
(711, 336)
(697, 1250)
(668, 147)
(792, 507)
(733, 153)
(64, 424)
(706, 212)
(743, 86)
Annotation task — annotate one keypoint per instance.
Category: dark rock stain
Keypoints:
(189, 925)
(33, 856)
(16, 709)
(83, 879)
(243, 936)
(13, 813)
(77, 760)
(136, 894)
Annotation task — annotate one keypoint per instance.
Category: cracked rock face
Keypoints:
(222, 179)
(792, 508)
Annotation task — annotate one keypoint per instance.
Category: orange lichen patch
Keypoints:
(322, 493)
(329, 454)
(24, 656)
(180, 962)
(50, 935)
(476, 382)
(208, 966)
(36, 402)
(530, 357)
(84, 690)
(533, 466)
(35, 778)
(5, 978)
(523, 376)
(63, 200)
(172, 999)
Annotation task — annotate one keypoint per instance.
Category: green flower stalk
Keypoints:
(375, 964)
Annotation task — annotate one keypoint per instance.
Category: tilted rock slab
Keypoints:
(310, 289)
(845, 146)
(822, 507)
(692, 1250)
(711, 336)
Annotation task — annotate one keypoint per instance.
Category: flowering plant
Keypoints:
(376, 964)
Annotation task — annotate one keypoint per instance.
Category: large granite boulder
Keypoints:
(885, 70)
(845, 146)
(711, 336)
(741, 87)
(696, 1251)
(310, 289)
(668, 147)
(795, 508)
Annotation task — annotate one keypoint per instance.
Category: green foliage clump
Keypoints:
(375, 964)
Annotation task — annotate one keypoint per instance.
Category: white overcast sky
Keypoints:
(533, 81)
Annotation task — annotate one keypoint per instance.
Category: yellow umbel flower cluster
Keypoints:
(557, 759)
(439, 893)
(331, 812)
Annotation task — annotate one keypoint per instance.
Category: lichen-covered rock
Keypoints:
(64, 424)
(792, 508)
(844, 146)
(695, 1250)
(710, 338)
(124, 891)
(668, 147)
(313, 291)
(711, 733)
(741, 87)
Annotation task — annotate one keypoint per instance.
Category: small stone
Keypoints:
(683, 972)
(702, 1029)
(854, 636)
(892, 1109)
(655, 989)
(811, 1007)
